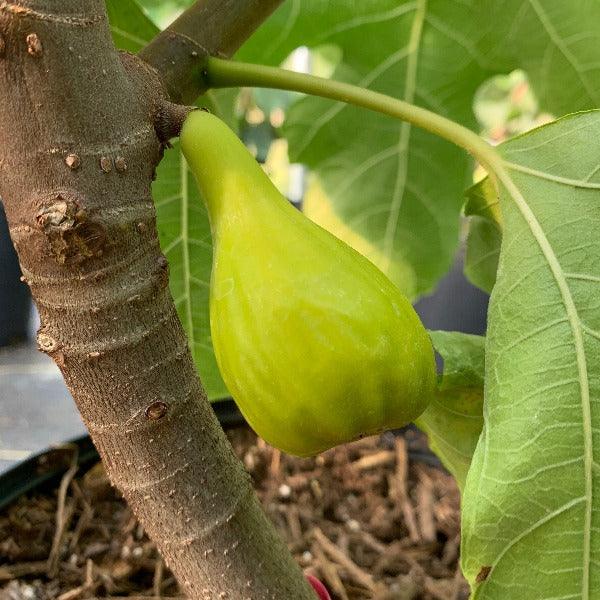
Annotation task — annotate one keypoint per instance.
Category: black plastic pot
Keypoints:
(15, 300)
(456, 305)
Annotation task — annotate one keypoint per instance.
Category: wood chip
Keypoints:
(275, 466)
(293, 521)
(403, 499)
(371, 461)
(8, 572)
(158, 577)
(451, 550)
(64, 512)
(425, 508)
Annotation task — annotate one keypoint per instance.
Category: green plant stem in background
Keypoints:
(221, 73)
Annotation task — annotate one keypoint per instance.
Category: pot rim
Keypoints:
(51, 463)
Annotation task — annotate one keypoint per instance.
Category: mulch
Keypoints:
(367, 519)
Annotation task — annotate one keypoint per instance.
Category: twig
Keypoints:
(451, 550)
(19, 570)
(275, 465)
(459, 584)
(426, 518)
(158, 577)
(85, 518)
(353, 570)
(370, 461)
(89, 584)
(72, 594)
(408, 512)
(372, 542)
(329, 573)
(63, 513)
(79, 591)
(432, 589)
(293, 521)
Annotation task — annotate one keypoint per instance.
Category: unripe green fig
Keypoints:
(315, 344)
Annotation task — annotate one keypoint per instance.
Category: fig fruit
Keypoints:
(315, 344)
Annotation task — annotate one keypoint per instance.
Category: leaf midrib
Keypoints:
(410, 86)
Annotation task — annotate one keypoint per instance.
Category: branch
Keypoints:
(207, 28)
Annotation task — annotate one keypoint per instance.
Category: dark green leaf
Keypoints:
(185, 238)
(454, 419)
(556, 42)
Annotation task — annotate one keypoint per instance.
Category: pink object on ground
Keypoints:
(319, 588)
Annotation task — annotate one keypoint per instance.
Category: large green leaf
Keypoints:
(556, 41)
(532, 499)
(398, 187)
(558, 44)
(454, 419)
(130, 26)
(185, 239)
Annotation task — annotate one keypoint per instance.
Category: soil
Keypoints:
(367, 519)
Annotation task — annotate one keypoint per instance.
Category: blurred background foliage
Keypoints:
(164, 12)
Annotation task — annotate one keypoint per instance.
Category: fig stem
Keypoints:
(219, 73)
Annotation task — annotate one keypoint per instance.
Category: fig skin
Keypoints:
(315, 344)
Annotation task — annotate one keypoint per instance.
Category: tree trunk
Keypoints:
(78, 149)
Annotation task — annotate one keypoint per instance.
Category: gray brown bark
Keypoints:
(78, 150)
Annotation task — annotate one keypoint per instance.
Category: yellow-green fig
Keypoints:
(315, 344)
